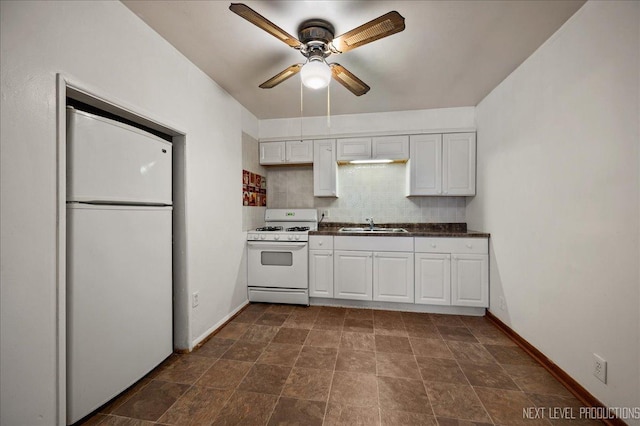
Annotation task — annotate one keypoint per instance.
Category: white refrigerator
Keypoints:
(119, 258)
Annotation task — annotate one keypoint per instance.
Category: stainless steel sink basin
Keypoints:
(375, 230)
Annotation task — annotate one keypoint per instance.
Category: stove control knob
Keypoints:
(297, 237)
(262, 237)
(276, 237)
(290, 237)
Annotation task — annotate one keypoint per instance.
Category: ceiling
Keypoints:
(451, 54)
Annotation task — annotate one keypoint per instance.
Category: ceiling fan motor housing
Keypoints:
(315, 30)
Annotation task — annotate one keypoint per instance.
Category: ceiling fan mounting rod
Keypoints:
(315, 48)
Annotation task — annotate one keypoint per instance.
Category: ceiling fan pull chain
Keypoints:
(329, 105)
(301, 106)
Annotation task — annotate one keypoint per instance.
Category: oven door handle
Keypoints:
(278, 246)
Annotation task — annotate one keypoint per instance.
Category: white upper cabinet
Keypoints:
(378, 147)
(390, 147)
(272, 152)
(442, 165)
(297, 152)
(325, 168)
(459, 164)
(424, 170)
(354, 149)
(286, 152)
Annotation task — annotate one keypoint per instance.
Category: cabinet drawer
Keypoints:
(374, 243)
(452, 245)
(320, 242)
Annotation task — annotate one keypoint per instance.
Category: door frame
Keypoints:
(67, 86)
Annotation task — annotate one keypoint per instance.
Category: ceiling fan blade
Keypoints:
(282, 76)
(260, 21)
(383, 26)
(348, 80)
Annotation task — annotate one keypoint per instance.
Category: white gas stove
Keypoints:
(277, 256)
(286, 225)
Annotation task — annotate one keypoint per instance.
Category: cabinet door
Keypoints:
(459, 164)
(433, 278)
(297, 152)
(425, 165)
(353, 272)
(470, 280)
(321, 273)
(272, 152)
(393, 277)
(354, 149)
(390, 147)
(325, 168)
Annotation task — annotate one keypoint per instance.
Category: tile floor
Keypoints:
(280, 364)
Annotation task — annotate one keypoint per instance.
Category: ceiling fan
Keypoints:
(316, 42)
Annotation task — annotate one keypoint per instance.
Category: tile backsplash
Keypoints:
(365, 190)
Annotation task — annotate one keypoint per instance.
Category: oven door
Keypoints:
(277, 264)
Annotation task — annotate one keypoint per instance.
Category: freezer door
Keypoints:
(108, 161)
(119, 300)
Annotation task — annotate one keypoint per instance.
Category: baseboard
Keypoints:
(583, 395)
(214, 330)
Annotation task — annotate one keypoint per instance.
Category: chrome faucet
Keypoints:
(370, 222)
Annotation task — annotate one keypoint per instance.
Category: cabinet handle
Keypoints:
(320, 243)
(330, 254)
(469, 245)
(433, 245)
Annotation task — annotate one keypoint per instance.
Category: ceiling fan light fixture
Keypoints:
(315, 74)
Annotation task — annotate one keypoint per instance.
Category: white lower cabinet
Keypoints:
(393, 277)
(321, 273)
(353, 275)
(470, 280)
(373, 268)
(428, 271)
(452, 271)
(320, 266)
(433, 279)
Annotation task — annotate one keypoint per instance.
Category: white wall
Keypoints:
(558, 189)
(426, 120)
(105, 46)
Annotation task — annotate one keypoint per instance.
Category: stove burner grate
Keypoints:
(298, 229)
(270, 228)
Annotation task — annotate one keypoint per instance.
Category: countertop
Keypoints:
(456, 230)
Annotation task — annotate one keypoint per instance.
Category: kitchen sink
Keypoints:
(375, 230)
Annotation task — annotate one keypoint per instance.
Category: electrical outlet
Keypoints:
(325, 213)
(501, 303)
(195, 299)
(600, 368)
